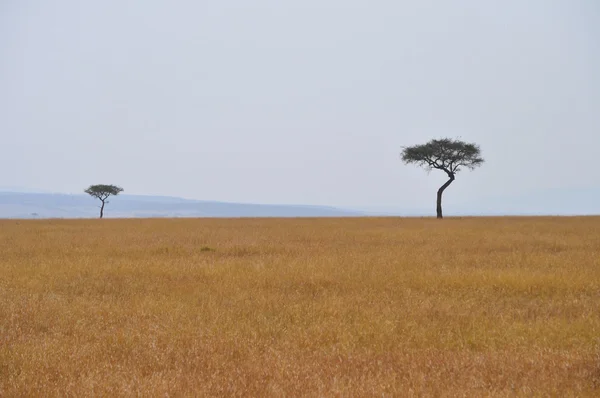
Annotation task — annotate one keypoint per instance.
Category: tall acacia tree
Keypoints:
(447, 155)
(103, 192)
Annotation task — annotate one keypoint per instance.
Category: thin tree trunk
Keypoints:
(439, 195)
(102, 210)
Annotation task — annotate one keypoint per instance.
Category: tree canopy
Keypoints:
(444, 154)
(102, 191)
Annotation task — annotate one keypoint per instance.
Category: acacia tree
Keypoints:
(102, 192)
(447, 155)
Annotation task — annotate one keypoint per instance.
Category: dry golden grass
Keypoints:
(306, 307)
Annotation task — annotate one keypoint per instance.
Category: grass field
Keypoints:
(316, 307)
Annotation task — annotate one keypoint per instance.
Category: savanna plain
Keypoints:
(300, 307)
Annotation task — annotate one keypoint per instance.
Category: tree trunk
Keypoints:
(439, 195)
(102, 210)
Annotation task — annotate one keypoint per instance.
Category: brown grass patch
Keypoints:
(316, 307)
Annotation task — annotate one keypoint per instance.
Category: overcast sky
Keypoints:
(306, 101)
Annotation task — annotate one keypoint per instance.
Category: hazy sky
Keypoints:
(307, 101)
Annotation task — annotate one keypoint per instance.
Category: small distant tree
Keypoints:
(447, 155)
(103, 192)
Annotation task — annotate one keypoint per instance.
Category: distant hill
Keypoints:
(585, 201)
(45, 205)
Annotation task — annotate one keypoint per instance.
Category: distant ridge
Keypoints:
(31, 204)
(49, 205)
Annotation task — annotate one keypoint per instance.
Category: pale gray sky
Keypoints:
(298, 101)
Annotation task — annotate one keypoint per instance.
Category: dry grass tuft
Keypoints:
(318, 307)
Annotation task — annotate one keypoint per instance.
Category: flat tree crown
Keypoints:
(444, 154)
(102, 191)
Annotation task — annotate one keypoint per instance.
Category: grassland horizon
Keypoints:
(369, 306)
